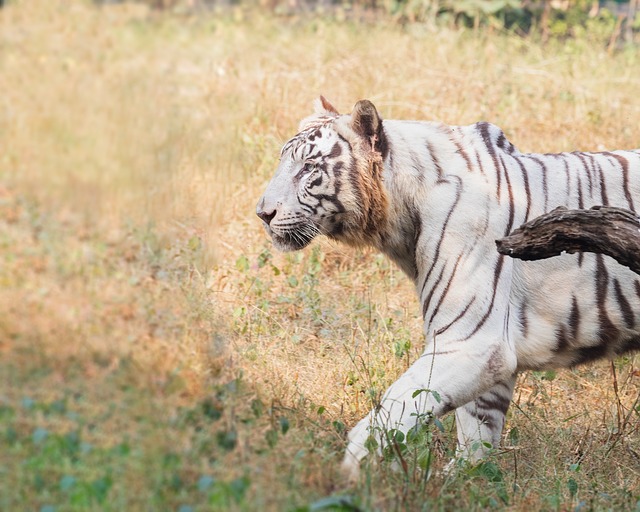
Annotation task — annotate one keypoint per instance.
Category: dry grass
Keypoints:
(133, 271)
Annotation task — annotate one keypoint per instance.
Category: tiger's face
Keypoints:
(305, 196)
(327, 182)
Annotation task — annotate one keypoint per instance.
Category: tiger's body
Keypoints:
(434, 198)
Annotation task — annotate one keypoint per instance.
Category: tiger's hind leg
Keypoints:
(480, 422)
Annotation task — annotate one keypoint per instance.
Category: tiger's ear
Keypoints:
(366, 122)
(323, 107)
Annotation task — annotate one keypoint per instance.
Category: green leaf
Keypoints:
(6, 412)
(238, 488)
(398, 436)
(334, 503)
(211, 410)
(400, 348)
(371, 444)
(242, 263)
(257, 407)
(227, 439)
(572, 485)
(263, 258)
(205, 482)
(338, 426)
(67, 482)
(101, 488)
(272, 437)
(123, 449)
(39, 482)
(58, 406)
(195, 243)
(39, 435)
(514, 436)
(490, 471)
(284, 425)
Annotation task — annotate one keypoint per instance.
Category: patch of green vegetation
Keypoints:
(121, 450)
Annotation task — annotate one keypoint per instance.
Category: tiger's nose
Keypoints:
(266, 216)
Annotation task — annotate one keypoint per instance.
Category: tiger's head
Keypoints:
(329, 180)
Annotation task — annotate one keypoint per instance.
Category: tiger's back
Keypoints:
(574, 308)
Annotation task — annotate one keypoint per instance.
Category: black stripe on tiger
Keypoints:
(331, 199)
(336, 151)
(568, 176)
(493, 401)
(436, 163)
(523, 319)
(586, 169)
(479, 162)
(445, 291)
(574, 318)
(427, 300)
(443, 231)
(587, 354)
(460, 316)
(545, 185)
(630, 344)
(601, 178)
(608, 332)
(417, 166)
(504, 144)
(389, 157)
(417, 231)
(624, 165)
(580, 200)
(496, 276)
(454, 138)
(623, 304)
(486, 138)
(562, 341)
(461, 151)
(511, 201)
(527, 189)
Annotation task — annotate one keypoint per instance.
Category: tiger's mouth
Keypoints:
(292, 238)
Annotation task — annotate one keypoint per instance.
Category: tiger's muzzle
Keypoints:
(289, 231)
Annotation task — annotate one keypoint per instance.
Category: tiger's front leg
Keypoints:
(455, 375)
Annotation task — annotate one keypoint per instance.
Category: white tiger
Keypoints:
(434, 198)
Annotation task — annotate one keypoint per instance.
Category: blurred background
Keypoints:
(157, 354)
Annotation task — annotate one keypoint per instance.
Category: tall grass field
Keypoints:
(156, 353)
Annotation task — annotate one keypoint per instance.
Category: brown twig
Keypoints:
(605, 230)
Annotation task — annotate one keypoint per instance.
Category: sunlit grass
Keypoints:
(145, 311)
